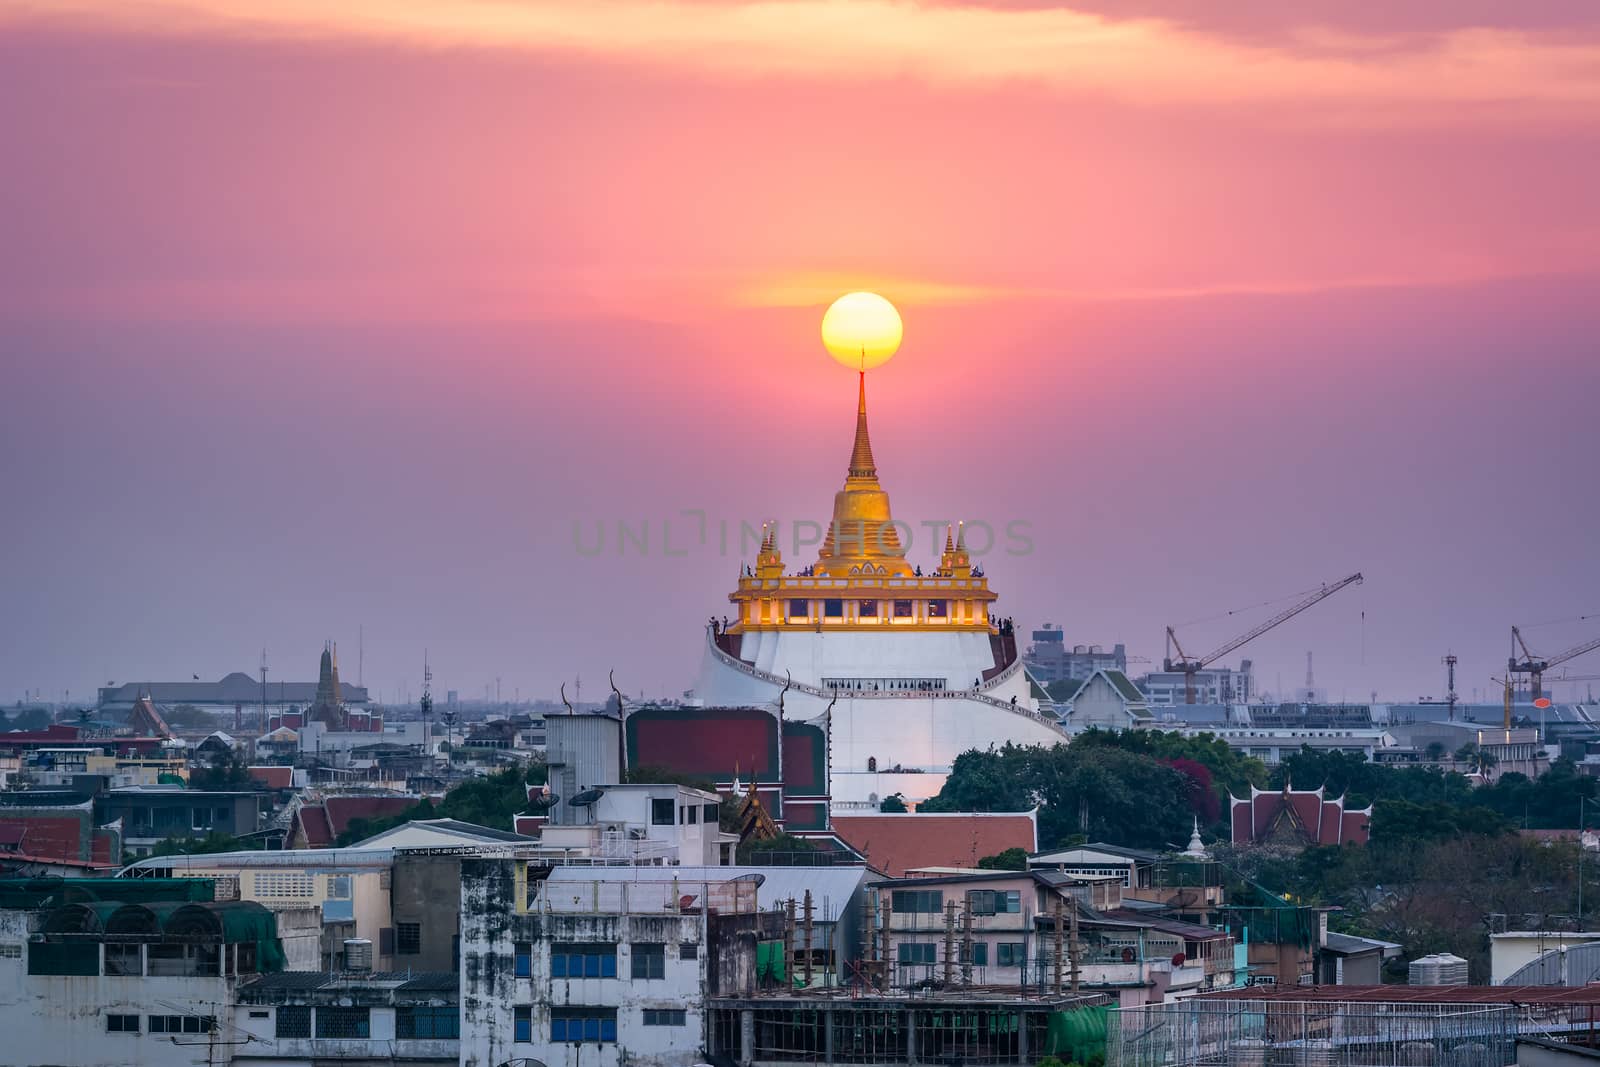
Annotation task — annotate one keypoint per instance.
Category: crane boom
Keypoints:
(1191, 667)
(1535, 666)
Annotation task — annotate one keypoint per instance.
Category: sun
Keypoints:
(861, 330)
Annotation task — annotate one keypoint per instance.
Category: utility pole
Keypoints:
(807, 927)
(949, 943)
(1580, 863)
(1055, 985)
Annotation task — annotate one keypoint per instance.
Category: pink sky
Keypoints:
(314, 320)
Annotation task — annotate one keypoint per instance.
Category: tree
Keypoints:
(894, 803)
(754, 852)
(212, 842)
(227, 770)
(1012, 859)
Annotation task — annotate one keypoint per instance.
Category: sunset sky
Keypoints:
(324, 316)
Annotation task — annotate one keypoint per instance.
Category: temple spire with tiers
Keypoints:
(862, 580)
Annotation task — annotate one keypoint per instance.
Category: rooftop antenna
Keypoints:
(1450, 683)
(262, 725)
(361, 655)
(427, 699)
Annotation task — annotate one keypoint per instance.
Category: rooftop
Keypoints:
(1412, 994)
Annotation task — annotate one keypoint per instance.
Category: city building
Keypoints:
(1214, 685)
(898, 667)
(602, 971)
(1051, 659)
(359, 1016)
(122, 972)
(644, 824)
(234, 693)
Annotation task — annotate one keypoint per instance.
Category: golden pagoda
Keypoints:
(861, 580)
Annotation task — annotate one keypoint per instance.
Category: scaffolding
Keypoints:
(1303, 1033)
(982, 1029)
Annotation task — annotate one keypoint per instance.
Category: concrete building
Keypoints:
(999, 928)
(368, 1019)
(138, 975)
(644, 823)
(602, 972)
(152, 815)
(1051, 659)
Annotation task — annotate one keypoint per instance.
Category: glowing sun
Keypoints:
(861, 330)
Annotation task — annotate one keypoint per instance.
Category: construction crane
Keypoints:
(1191, 667)
(1535, 666)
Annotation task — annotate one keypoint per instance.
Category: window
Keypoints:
(294, 1020)
(202, 821)
(912, 952)
(994, 902)
(918, 900)
(903, 609)
(122, 1024)
(799, 609)
(688, 950)
(12, 950)
(1011, 954)
(124, 959)
(980, 954)
(420, 1022)
(522, 1023)
(694, 814)
(573, 1025)
(833, 609)
(344, 1022)
(408, 939)
(649, 961)
(936, 609)
(263, 1014)
(183, 1024)
(338, 887)
(665, 1017)
(867, 609)
(710, 813)
(522, 955)
(661, 812)
(583, 961)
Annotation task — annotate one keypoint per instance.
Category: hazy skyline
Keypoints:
(319, 321)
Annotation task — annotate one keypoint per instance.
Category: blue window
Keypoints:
(583, 961)
(522, 1023)
(523, 959)
(572, 1025)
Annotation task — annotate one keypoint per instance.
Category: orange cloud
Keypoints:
(1134, 60)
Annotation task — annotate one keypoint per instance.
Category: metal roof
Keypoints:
(1412, 994)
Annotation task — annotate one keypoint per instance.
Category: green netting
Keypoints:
(769, 961)
(247, 921)
(1272, 920)
(67, 957)
(1076, 1035)
(27, 894)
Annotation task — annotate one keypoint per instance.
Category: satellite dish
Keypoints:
(587, 797)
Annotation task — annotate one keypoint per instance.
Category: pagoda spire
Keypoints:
(861, 464)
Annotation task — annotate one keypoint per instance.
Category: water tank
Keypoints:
(357, 954)
(1080, 649)
(1096, 649)
(1439, 969)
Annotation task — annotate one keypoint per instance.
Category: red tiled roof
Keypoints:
(48, 735)
(273, 777)
(341, 810)
(48, 833)
(894, 844)
(313, 823)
